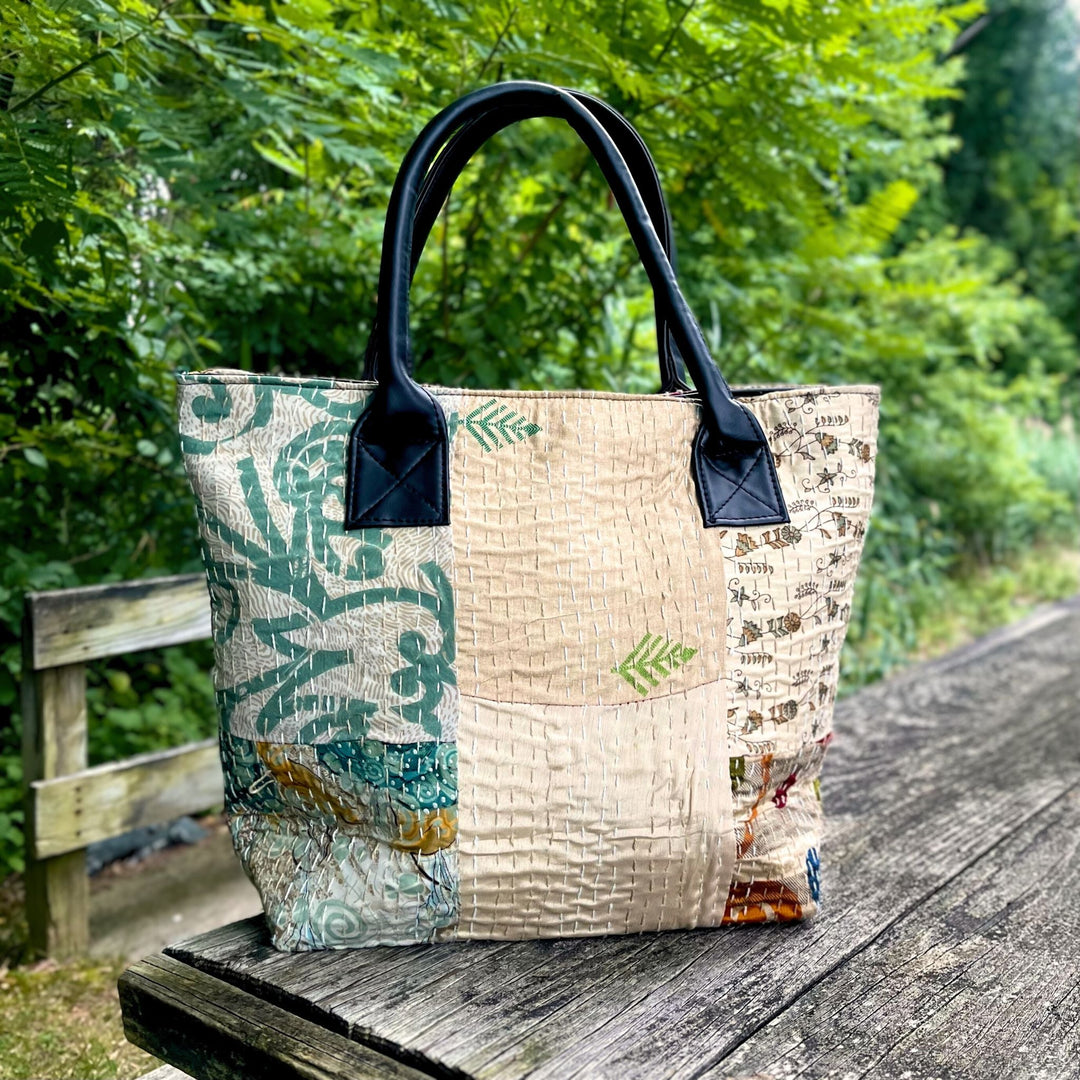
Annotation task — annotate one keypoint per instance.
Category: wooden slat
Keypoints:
(983, 978)
(931, 772)
(74, 811)
(54, 743)
(214, 1031)
(75, 625)
(166, 1072)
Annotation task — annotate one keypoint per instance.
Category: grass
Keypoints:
(920, 619)
(59, 1020)
(981, 599)
(62, 1021)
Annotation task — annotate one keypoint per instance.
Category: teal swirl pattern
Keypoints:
(334, 670)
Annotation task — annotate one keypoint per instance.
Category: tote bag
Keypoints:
(517, 664)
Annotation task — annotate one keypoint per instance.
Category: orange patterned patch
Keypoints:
(748, 833)
(307, 784)
(762, 901)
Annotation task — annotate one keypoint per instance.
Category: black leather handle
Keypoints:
(457, 153)
(398, 451)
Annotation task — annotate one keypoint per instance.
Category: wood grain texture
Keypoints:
(934, 775)
(213, 1031)
(982, 981)
(166, 1072)
(54, 733)
(54, 743)
(74, 811)
(71, 626)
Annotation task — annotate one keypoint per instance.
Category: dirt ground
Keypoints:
(176, 893)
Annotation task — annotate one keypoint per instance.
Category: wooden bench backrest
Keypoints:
(71, 626)
(69, 806)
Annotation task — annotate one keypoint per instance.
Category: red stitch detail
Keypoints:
(780, 798)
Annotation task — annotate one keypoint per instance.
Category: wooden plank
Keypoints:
(75, 625)
(166, 1072)
(930, 772)
(54, 742)
(246, 942)
(72, 812)
(213, 1031)
(984, 974)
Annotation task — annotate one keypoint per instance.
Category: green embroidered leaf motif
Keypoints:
(493, 425)
(653, 659)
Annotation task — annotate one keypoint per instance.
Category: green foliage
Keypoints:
(203, 182)
(1015, 176)
(917, 610)
(154, 700)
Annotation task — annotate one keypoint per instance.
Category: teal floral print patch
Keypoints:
(334, 671)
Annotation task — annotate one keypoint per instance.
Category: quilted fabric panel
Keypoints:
(339, 657)
(790, 586)
(584, 575)
(595, 819)
(789, 602)
(350, 842)
(334, 671)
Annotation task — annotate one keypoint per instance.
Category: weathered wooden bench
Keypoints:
(948, 947)
(70, 806)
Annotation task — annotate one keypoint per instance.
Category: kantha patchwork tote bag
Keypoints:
(516, 664)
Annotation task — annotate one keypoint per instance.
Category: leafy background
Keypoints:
(863, 191)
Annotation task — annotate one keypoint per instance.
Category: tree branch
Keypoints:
(99, 55)
(498, 41)
(22, 103)
(553, 211)
(969, 34)
(674, 31)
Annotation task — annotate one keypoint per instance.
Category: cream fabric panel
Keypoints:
(601, 819)
(594, 789)
(790, 587)
(575, 543)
